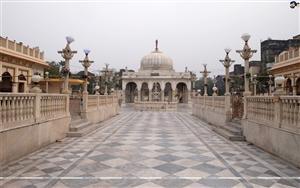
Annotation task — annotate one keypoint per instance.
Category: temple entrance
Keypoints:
(289, 87)
(156, 92)
(237, 106)
(130, 92)
(6, 83)
(145, 92)
(168, 92)
(182, 93)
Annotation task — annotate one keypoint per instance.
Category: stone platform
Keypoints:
(150, 149)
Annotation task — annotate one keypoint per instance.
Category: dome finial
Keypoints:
(156, 45)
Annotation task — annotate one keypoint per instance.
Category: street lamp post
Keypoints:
(47, 80)
(86, 63)
(254, 81)
(67, 54)
(270, 82)
(205, 74)
(246, 53)
(227, 62)
(106, 77)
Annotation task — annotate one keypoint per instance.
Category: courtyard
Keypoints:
(150, 149)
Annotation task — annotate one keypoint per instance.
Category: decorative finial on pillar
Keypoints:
(156, 45)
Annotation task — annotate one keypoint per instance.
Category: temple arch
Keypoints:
(6, 82)
(289, 87)
(168, 92)
(156, 92)
(145, 92)
(130, 92)
(298, 86)
(182, 92)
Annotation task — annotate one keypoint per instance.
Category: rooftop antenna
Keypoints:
(156, 45)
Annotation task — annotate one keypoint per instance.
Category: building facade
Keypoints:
(157, 81)
(17, 65)
(287, 65)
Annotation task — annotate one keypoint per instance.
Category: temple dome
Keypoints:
(156, 60)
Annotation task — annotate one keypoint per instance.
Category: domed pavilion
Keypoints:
(156, 82)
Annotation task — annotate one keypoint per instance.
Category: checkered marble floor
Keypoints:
(150, 149)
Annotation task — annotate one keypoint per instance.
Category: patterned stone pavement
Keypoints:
(150, 149)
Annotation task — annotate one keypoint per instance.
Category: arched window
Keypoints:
(6, 82)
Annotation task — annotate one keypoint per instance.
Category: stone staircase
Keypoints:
(80, 127)
(231, 130)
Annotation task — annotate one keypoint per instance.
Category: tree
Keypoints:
(53, 69)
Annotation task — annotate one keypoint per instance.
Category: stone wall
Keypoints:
(273, 123)
(31, 121)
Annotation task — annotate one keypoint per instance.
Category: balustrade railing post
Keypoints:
(245, 115)
(67, 104)
(37, 107)
(84, 105)
(228, 108)
(277, 111)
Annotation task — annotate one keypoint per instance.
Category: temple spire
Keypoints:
(156, 45)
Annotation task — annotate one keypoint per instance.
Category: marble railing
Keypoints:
(95, 101)
(211, 108)
(215, 103)
(17, 110)
(261, 109)
(281, 112)
(273, 124)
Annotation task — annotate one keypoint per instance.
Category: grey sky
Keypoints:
(191, 33)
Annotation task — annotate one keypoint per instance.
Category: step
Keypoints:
(228, 135)
(77, 121)
(232, 129)
(87, 129)
(79, 126)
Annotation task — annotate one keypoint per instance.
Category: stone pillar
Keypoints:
(139, 95)
(246, 79)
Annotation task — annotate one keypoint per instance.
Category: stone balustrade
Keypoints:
(100, 107)
(273, 123)
(281, 112)
(24, 109)
(31, 121)
(211, 108)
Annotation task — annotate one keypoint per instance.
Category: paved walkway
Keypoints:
(151, 149)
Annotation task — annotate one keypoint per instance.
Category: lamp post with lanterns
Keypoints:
(205, 75)
(47, 80)
(86, 63)
(67, 54)
(270, 83)
(246, 53)
(227, 62)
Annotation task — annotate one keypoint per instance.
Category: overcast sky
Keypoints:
(122, 32)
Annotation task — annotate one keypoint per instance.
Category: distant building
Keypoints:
(18, 62)
(271, 48)
(254, 67)
(238, 70)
